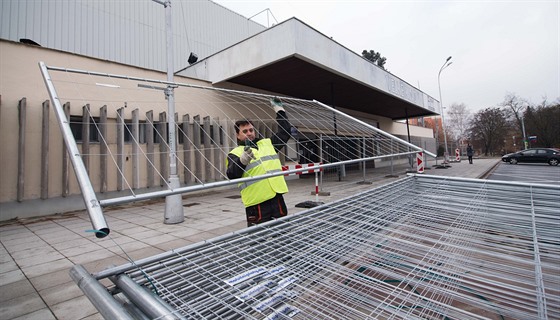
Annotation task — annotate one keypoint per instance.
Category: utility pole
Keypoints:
(173, 203)
(525, 142)
(446, 154)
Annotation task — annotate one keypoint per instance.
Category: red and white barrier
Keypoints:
(312, 166)
(457, 155)
(420, 162)
(313, 169)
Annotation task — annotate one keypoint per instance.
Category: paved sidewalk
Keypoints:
(36, 254)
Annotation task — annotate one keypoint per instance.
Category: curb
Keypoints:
(486, 173)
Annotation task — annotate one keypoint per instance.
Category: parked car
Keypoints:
(534, 155)
(505, 157)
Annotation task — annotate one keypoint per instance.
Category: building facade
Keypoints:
(129, 39)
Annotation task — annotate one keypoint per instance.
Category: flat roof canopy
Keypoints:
(294, 59)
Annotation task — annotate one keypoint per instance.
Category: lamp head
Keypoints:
(448, 59)
(192, 58)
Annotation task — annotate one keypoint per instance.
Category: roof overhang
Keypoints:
(294, 59)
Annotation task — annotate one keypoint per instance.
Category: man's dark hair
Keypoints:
(243, 122)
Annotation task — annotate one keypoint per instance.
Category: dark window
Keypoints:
(128, 131)
(158, 134)
(141, 132)
(76, 125)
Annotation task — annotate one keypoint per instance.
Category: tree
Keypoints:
(458, 121)
(375, 57)
(542, 121)
(513, 106)
(488, 129)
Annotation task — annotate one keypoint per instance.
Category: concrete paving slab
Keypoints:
(41, 314)
(174, 244)
(61, 246)
(21, 305)
(60, 293)
(32, 253)
(91, 256)
(15, 289)
(17, 233)
(9, 265)
(76, 308)
(160, 238)
(102, 264)
(11, 276)
(51, 279)
(44, 268)
(62, 237)
(44, 257)
(31, 241)
(129, 246)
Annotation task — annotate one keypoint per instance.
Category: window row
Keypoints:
(77, 126)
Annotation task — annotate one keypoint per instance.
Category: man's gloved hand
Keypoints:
(247, 156)
(276, 104)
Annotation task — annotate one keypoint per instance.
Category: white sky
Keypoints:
(498, 47)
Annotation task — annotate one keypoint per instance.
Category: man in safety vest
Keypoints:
(256, 156)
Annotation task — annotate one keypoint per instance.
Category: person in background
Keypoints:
(254, 156)
(470, 152)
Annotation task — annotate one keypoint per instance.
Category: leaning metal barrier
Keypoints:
(206, 141)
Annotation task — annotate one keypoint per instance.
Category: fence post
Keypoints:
(135, 149)
(65, 159)
(85, 136)
(187, 133)
(208, 172)
(163, 166)
(120, 148)
(150, 147)
(103, 147)
(196, 147)
(177, 160)
(226, 131)
(22, 113)
(216, 160)
(45, 152)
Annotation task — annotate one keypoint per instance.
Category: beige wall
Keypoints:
(388, 125)
(399, 128)
(20, 77)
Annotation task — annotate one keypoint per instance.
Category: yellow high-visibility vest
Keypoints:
(266, 161)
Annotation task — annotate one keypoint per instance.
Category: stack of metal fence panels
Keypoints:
(423, 247)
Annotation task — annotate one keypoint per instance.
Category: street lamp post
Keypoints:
(445, 65)
(173, 203)
(525, 142)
